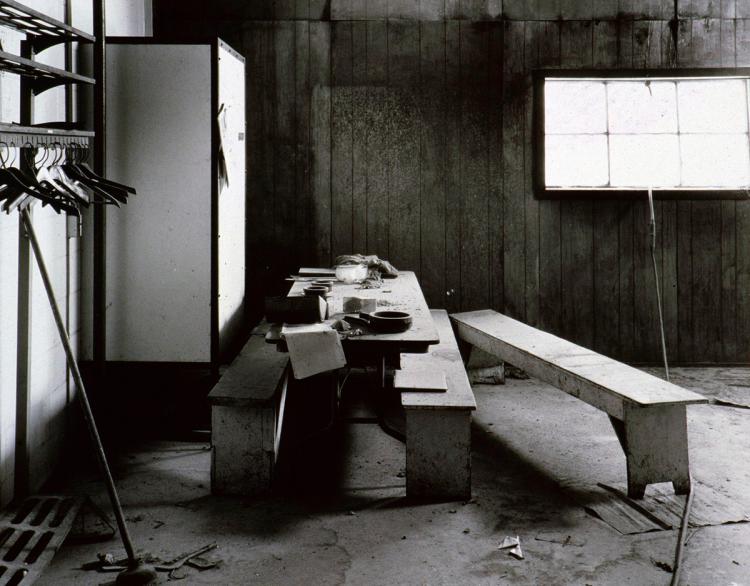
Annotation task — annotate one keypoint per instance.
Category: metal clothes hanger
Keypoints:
(18, 186)
(71, 171)
(65, 197)
(52, 177)
(86, 171)
(23, 188)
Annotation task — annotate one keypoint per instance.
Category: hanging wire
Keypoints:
(652, 246)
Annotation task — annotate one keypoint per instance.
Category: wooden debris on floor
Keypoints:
(661, 509)
(727, 387)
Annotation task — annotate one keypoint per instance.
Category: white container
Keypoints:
(357, 304)
(351, 273)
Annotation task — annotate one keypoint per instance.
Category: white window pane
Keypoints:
(646, 160)
(635, 106)
(574, 107)
(576, 161)
(711, 160)
(712, 106)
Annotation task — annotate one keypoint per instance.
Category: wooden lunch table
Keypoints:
(401, 293)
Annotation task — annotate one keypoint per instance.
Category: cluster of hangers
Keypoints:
(61, 179)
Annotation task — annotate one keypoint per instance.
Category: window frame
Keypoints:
(541, 191)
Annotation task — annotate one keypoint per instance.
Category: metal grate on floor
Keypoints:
(31, 534)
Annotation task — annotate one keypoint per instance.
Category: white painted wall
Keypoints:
(50, 388)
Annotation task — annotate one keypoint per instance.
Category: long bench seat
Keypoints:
(247, 410)
(647, 413)
(438, 423)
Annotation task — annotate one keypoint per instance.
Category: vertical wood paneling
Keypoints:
(432, 10)
(728, 8)
(742, 244)
(376, 9)
(728, 326)
(550, 260)
(453, 9)
(707, 257)
(453, 167)
(434, 109)
(513, 188)
(576, 9)
(318, 9)
(403, 146)
(668, 233)
(707, 280)
(685, 340)
(475, 265)
(320, 141)
(412, 139)
(606, 227)
(284, 9)
(406, 9)
(548, 9)
(522, 9)
(496, 174)
(360, 112)
(285, 137)
(647, 46)
(341, 139)
(705, 8)
(302, 10)
(605, 9)
(259, 193)
(531, 204)
(577, 216)
(303, 209)
(377, 139)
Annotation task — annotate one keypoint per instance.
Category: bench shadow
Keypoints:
(514, 478)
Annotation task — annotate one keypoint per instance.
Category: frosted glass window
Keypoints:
(641, 107)
(575, 108)
(579, 159)
(634, 133)
(713, 106)
(644, 160)
(714, 160)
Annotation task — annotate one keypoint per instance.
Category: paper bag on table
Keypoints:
(313, 349)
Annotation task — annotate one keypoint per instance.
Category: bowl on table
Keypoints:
(327, 283)
(385, 322)
(351, 273)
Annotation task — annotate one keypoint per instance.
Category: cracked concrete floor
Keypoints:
(343, 518)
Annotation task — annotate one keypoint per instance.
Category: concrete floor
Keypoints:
(344, 519)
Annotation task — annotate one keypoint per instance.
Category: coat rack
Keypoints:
(42, 32)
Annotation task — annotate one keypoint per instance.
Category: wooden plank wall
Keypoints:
(403, 129)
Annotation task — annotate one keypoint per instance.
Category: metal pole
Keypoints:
(88, 415)
(100, 212)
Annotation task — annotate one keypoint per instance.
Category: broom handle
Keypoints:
(73, 365)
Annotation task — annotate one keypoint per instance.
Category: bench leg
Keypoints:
(245, 444)
(243, 441)
(438, 454)
(655, 443)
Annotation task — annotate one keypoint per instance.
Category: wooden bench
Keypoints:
(247, 409)
(438, 424)
(647, 413)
